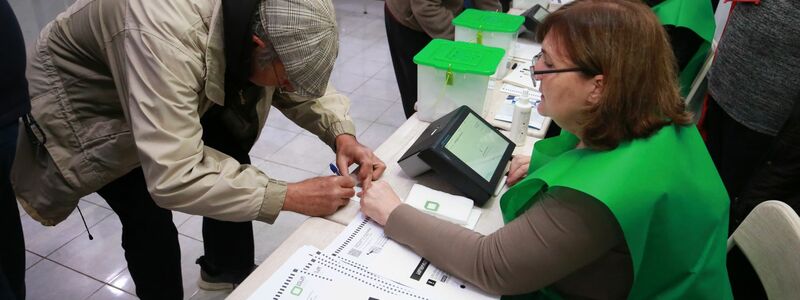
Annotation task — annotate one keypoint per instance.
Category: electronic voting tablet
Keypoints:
(465, 150)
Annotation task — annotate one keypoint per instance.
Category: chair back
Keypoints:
(770, 239)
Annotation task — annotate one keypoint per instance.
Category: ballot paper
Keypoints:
(521, 75)
(364, 243)
(312, 274)
(456, 209)
(516, 90)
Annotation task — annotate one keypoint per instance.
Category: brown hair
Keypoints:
(625, 42)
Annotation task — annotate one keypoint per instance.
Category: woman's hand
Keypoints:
(379, 201)
(518, 169)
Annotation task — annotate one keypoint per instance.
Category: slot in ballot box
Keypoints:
(465, 150)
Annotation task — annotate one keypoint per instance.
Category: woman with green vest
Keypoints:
(625, 203)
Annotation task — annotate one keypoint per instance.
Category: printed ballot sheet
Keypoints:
(363, 242)
(310, 274)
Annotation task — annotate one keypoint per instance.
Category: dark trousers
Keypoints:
(754, 167)
(12, 253)
(404, 43)
(150, 239)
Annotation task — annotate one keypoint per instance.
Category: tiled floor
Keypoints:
(64, 264)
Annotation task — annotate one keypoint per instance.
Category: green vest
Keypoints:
(667, 197)
(697, 16)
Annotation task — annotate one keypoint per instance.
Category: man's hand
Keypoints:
(379, 202)
(319, 196)
(349, 151)
(518, 169)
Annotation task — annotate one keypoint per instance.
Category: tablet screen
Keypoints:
(478, 146)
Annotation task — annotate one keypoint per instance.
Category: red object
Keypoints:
(756, 2)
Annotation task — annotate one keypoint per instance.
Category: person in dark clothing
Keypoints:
(13, 105)
(752, 118)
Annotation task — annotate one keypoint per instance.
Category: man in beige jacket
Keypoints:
(155, 105)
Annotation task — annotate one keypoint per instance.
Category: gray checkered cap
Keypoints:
(304, 35)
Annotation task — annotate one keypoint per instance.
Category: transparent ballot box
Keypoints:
(451, 74)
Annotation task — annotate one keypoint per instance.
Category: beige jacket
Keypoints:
(117, 84)
(434, 17)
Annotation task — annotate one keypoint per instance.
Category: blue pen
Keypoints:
(334, 169)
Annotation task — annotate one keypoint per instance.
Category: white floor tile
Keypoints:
(375, 8)
(376, 134)
(367, 108)
(101, 258)
(373, 31)
(268, 237)
(361, 125)
(360, 66)
(271, 140)
(96, 199)
(209, 295)
(43, 240)
(108, 292)
(306, 153)
(21, 210)
(394, 116)
(193, 227)
(346, 82)
(178, 218)
(31, 259)
(190, 251)
(378, 51)
(387, 73)
(381, 89)
(124, 282)
(349, 22)
(48, 280)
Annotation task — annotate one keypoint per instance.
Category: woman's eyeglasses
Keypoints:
(535, 72)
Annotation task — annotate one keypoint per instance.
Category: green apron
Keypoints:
(697, 16)
(667, 197)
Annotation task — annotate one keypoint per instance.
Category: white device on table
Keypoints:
(522, 115)
(442, 205)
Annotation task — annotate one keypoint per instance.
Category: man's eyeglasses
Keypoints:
(535, 72)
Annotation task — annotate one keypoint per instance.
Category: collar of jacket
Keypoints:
(215, 65)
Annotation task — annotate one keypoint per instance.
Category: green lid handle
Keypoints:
(448, 77)
(480, 35)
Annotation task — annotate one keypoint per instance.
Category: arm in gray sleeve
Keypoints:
(562, 232)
